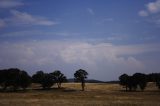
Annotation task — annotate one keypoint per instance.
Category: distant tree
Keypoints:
(132, 82)
(158, 84)
(124, 80)
(158, 80)
(140, 80)
(45, 79)
(81, 75)
(59, 78)
(14, 78)
(11, 78)
(24, 80)
(38, 77)
(151, 77)
(2, 77)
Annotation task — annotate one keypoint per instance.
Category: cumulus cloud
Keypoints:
(10, 3)
(23, 18)
(151, 8)
(154, 7)
(103, 61)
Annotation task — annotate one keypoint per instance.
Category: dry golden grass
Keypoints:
(71, 95)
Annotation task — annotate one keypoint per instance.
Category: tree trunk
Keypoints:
(83, 85)
(126, 88)
(59, 85)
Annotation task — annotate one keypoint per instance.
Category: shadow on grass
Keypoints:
(14, 91)
(139, 91)
(69, 90)
(56, 89)
(38, 89)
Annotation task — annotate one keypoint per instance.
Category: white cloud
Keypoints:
(151, 8)
(90, 11)
(151, 12)
(23, 18)
(154, 7)
(10, 3)
(143, 13)
(100, 60)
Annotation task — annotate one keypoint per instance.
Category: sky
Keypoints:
(104, 37)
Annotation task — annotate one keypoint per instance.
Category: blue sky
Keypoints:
(104, 37)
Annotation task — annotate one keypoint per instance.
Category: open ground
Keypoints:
(99, 94)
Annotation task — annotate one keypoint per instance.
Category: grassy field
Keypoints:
(71, 95)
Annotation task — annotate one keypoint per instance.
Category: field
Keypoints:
(71, 95)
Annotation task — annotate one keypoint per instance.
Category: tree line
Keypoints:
(131, 83)
(15, 79)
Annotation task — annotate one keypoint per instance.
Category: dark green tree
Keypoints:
(38, 77)
(2, 77)
(158, 80)
(154, 77)
(59, 78)
(158, 84)
(11, 78)
(123, 80)
(45, 79)
(132, 82)
(14, 78)
(24, 80)
(140, 80)
(81, 75)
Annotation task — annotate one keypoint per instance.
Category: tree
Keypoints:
(124, 80)
(59, 78)
(132, 82)
(24, 80)
(38, 77)
(158, 80)
(154, 77)
(128, 82)
(140, 80)
(81, 75)
(45, 79)
(2, 77)
(158, 84)
(11, 78)
(14, 78)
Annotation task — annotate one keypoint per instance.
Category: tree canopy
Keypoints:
(14, 78)
(59, 77)
(139, 80)
(81, 75)
(45, 79)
